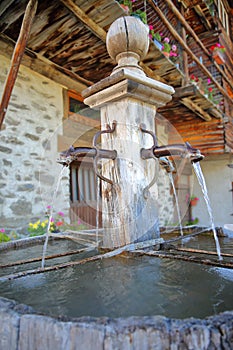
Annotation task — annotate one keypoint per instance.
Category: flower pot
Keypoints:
(193, 202)
(167, 54)
(158, 44)
(218, 56)
(125, 8)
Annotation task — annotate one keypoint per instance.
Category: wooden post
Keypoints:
(17, 57)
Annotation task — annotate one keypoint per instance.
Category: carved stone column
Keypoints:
(130, 98)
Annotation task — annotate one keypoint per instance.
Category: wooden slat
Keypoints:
(196, 109)
(86, 20)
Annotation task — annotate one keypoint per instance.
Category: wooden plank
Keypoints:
(4, 5)
(184, 91)
(86, 20)
(17, 57)
(196, 109)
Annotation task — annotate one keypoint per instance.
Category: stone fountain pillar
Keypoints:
(130, 98)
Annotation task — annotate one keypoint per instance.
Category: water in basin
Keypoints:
(122, 286)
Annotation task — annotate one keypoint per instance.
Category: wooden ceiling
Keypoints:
(67, 43)
(71, 35)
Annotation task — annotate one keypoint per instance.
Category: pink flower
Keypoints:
(79, 222)
(150, 36)
(174, 47)
(2, 230)
(173, 54)
(60, 213)
(49, 207)
(166, 40)
(208, 81)
(52, 220)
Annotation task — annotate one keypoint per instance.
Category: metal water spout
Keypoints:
(78, 153)
(182, 150)
(162, 152)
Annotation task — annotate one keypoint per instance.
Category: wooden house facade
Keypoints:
(51, 51)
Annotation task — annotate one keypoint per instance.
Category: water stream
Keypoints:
(98, 207)
(177, 203)
(201, 180)
(50, 217)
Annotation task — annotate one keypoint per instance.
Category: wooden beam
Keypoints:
(187, 49)
(87, 21)
(195, 108)
(184, 53)
(215, 113)
(184, 91)
(17, 56)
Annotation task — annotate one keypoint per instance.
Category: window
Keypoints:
(83, 182)
(80, 125)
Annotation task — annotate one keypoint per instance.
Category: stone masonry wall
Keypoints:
(22, 329)
(28, 149)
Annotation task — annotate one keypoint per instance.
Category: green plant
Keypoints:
(38, 228)
(4, 237)
(166, 46)
(157, 36)
(192, 222)
(140, 14)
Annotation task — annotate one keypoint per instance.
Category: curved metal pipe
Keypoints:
(183, 150)
(76, 153)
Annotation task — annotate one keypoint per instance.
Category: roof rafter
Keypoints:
(83, 17)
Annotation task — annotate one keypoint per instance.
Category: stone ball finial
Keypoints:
(128, 42)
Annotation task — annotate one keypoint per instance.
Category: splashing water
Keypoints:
(177, 203)
(50, 217)
(201, 180)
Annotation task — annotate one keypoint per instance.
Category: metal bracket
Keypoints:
(146, 154)
(103, 153)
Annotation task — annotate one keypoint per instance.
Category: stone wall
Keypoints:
(22, 329)
(28, 149)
